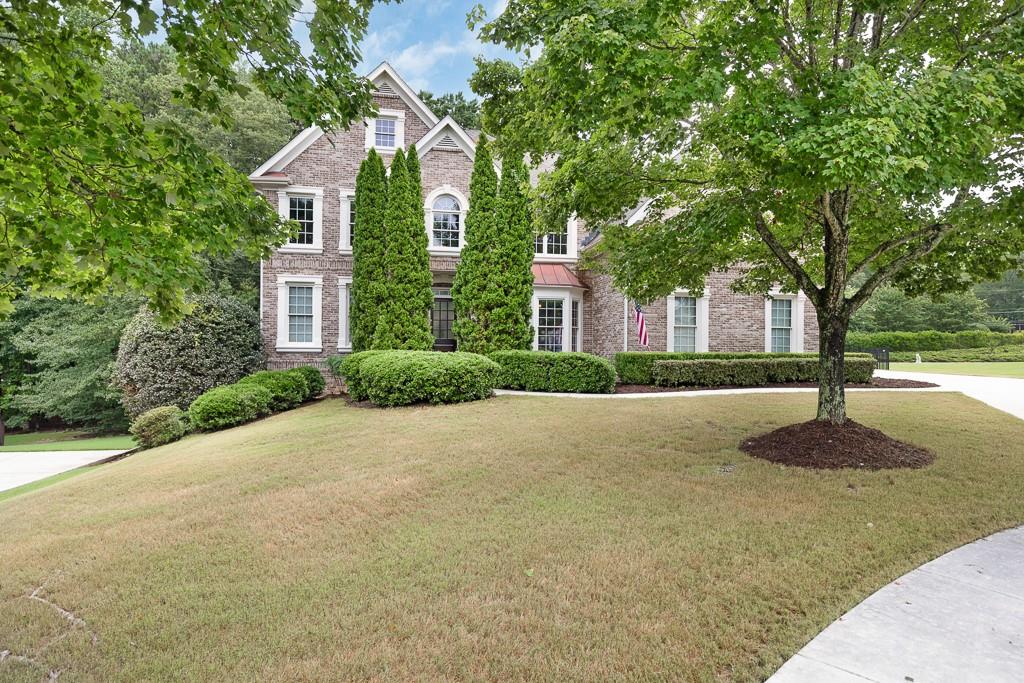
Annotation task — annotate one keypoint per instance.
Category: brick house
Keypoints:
(305, 285)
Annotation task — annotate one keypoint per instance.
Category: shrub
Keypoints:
(637, 367)
(315, 382)
(395, 378)
(218, 343)
(287, 389)
(229, 405)
(931, 341)
(158, 426)
(715, 372)
(997, 353)
(549, 371)
(348, 367)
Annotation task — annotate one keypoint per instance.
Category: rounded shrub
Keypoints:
(228, 406)
(287, 389)
(348, 368)
(217, 343)
(315, 382)
(581, 373)
(395, 378)
(158, 426)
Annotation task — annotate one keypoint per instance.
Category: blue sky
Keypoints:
(427, 42)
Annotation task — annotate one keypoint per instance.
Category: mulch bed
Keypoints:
(822, 445)
(876, 383)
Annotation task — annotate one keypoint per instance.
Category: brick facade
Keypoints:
(736, 322)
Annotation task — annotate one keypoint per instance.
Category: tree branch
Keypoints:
(790, 263)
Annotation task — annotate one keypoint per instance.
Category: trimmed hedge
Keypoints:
(995, 354)
(637, 367)
(752, 371)
(159, 426)
(315, 382)
(287, 388)
(229, 405)
(930, 340)
(395, 378)
(348, 367)
(582, 373)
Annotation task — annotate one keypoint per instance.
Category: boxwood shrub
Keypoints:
(931, 340)
(287, 388)
(158, 426)
(315, 382)
(229, 405)
(347, 367)
(550, 371)
(637, 367)
(395, 378)
(716, 372)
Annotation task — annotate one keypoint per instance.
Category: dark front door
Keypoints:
(442, 315)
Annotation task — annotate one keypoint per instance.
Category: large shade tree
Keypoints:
(96, 197)
(816, 142)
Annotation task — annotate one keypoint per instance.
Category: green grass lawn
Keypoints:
(517, 538)
(66, 440)
(1003, 369)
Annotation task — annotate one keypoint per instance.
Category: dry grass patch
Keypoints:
(512, 539)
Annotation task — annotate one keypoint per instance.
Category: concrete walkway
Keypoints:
(1004, 393)
(23, 467)
(958, 618)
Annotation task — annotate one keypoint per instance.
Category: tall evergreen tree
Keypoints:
(512, 276)
(404, 321)
(368, 276)
(471, 294)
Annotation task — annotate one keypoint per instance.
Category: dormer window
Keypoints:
(386, 133)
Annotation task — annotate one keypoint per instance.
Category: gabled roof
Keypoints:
(299, 144)
(387, 80)
(447, 134)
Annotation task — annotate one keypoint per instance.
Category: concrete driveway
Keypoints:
(1004, 393)
(23, 467)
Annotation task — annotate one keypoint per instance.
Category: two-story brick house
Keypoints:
(305, 285)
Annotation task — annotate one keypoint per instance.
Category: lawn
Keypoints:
(68, 440)
(998, 369)
(517, 538)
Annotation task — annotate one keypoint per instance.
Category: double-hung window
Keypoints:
(684, 325)
(299, 299)
(575, 326)
(347, 205)
(300, 210)
(344, 307)
(384, 133)
(782, 325)
(304, 205)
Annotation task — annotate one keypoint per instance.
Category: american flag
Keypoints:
(641, 326)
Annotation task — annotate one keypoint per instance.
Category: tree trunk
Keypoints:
(831, 369)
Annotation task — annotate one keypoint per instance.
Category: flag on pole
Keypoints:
(641, 326)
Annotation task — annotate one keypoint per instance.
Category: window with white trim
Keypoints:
(782, 325)
(299, 300)
(574, 335)
(549, 324)
(684, 325)
(304, 205)
(348, 220)
(552, 243)
(446, 217)
(386, 133)
(344, 307)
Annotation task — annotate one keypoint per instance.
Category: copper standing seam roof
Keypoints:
(555, 275)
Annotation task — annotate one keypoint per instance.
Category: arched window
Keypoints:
(447, 222)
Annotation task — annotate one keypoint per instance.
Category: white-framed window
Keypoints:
(557, 319)
(344, 306)
(557, 246)
(299, 312)
(784, 323)
(386, 132)
(348, 220)
(304, 205)
(687, 322)
(445, 216)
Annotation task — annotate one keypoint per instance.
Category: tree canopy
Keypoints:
(466, 112)
(94, 196)
(812, 142)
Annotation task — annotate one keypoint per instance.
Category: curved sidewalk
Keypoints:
(1003, 393)
(957, 618)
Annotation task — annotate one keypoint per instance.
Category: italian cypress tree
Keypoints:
(472, 294)
(368, 277)
(512, 276)
(404, 321)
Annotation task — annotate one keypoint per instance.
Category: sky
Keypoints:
(427, 42)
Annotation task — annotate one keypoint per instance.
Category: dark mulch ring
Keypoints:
(876, 383)
(825, 446)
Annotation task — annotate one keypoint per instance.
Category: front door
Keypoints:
(442, 315)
